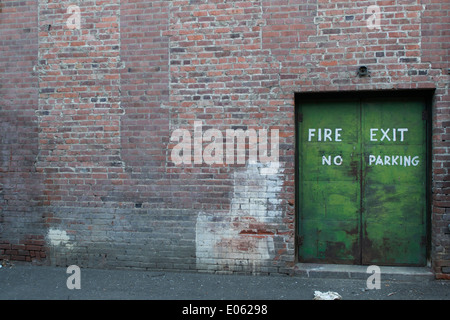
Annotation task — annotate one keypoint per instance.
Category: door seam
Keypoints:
(361, 181)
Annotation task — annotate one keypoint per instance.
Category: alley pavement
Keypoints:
(28, 282)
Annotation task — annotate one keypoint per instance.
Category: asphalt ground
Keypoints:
(28, 282)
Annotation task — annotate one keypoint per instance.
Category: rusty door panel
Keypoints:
(330, 190)
(394, 183)
(362, 192)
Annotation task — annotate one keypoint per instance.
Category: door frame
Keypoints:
(333, 96)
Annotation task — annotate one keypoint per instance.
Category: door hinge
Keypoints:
(300, 117)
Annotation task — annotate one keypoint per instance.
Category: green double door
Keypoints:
(362, 189)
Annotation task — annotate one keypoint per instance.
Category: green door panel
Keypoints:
(393, 185)
(330, 191)
(362, 190)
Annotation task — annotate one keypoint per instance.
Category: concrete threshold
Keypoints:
(340, 271)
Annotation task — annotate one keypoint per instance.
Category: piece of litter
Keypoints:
(327, 295)
(6, 263)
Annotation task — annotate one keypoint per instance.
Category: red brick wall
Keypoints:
(20, 185)
(144, 93)
(79, 101)
(88, 115)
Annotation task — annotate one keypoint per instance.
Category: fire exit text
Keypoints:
(374, 135)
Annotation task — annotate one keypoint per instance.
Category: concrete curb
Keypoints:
(339, 271)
